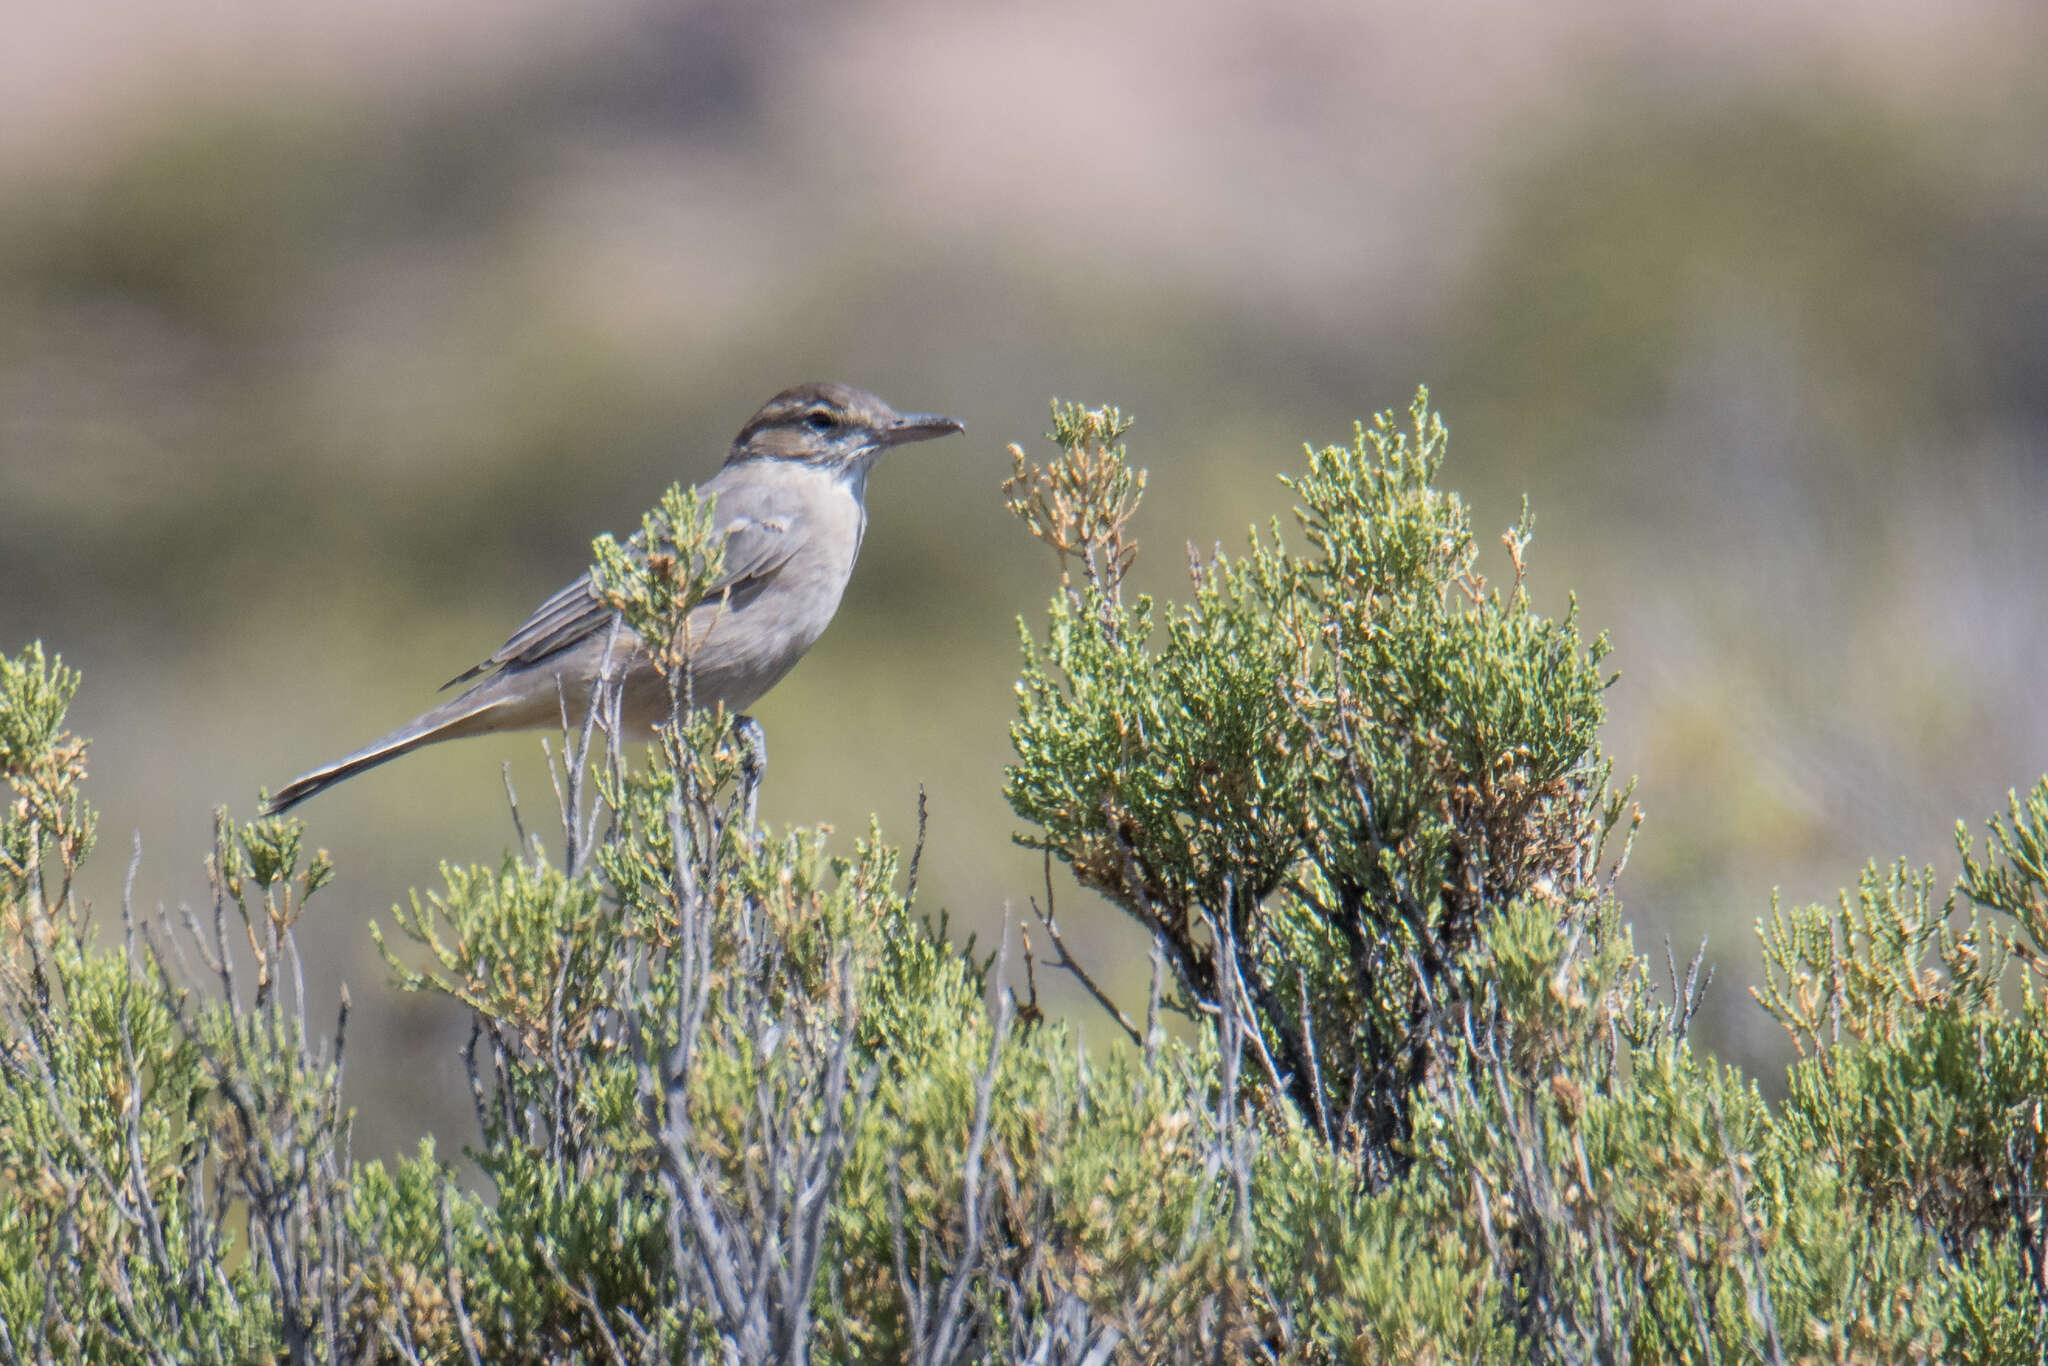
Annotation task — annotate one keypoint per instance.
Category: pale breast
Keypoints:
(746, 644)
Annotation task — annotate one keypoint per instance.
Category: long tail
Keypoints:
(464, 715)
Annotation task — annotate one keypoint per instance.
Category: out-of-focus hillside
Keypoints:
(327, 344)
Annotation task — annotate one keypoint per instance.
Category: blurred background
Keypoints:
(330, 334)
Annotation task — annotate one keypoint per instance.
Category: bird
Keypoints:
(791, 504)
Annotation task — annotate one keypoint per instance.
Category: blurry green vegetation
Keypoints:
(738, 1099)
(1820, 213)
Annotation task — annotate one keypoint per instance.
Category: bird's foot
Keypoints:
(753, 743)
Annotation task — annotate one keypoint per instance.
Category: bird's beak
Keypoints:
(921, 427)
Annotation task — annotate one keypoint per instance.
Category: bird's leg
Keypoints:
(753, 742)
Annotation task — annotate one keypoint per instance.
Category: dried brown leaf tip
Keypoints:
(1081, 504)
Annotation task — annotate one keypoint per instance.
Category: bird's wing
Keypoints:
(758, 541)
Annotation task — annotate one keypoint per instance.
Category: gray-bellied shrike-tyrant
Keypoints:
(791, 503)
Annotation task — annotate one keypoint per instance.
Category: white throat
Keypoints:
(855, 482)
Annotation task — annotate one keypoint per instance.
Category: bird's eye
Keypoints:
(820, 422)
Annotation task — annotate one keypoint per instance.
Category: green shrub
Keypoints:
(739, 1100)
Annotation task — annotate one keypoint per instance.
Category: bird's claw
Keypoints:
(753, 743)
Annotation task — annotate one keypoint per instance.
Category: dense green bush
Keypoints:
(739, 1100)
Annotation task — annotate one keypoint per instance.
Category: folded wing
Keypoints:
(757, 544)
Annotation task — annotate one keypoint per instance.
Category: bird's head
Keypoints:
(833, 425)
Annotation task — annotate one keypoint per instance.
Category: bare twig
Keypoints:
(916, 854)
(512, 802)
(1686, 997)
(1068, 963)
(453, 1279)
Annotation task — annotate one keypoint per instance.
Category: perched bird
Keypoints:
(791, 502)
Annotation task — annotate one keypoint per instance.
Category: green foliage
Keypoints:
(172, 1168)
(737, 1100)
(42, 764)
(663, 572)
(1926, 1033)
(2014, 881)
(1336, 762)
